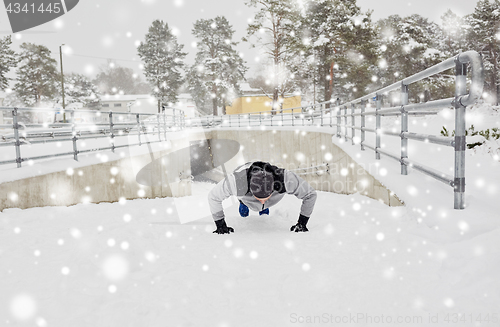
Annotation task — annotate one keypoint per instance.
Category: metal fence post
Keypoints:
(165, 125)
(159, 126)
(321, 108)
(139, 128)
(404, 128)
(331, 113)
(339, 119)
(293, 119)
(75, 150)
(173, 118)
(111, 131)
(460, 139)
(378, 131)
(16, 136)
(345, 123)
(363, 108)
(353, 131)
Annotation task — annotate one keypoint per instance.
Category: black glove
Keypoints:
(222, 228)
(301, 225)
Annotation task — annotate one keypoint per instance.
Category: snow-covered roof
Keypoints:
(245, 87)
(132, 97)
(185, 96)
(125, 97)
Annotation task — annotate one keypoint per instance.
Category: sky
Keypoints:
(98, 30)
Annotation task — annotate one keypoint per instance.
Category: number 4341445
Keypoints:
(17, 8)
(471, 318)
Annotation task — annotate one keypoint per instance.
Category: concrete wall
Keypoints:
(292, 150)
(108, 182)
(103, 182)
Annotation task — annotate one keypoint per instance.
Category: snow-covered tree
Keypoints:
(37, 75)
(454, 33)
(163, 61)
(115, 79)
(218, 67)
(78, 88)
(483, 36)
(340, 40)
(409, 45)
(7, 61)
(275, 26)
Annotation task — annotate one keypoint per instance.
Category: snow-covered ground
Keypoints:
(134, 264)
(430, 200)
(362, 263)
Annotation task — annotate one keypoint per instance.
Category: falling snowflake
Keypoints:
(115, 267)
(23, 307)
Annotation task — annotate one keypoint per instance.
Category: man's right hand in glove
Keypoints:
(244, 211)
(222, 228)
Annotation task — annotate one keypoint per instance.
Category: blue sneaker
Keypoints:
(264, 212)
(244, 211)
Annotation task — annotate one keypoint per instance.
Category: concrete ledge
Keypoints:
(114, 180)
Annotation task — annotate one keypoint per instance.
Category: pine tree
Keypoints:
(115, 79)
(483, 36)
(163, 60)
(218, 67)
(7, 61)
(454, 33)
(199, 90)
(276, 25)
(409, 45)
(79, 89)
(37, 75)
(342, 45)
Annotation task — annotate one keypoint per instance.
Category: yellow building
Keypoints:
(253, 103)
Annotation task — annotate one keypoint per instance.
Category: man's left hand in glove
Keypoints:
(301, 225)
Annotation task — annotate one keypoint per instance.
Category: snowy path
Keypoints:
(133, 264)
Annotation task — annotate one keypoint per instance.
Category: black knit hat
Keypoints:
(261, 184)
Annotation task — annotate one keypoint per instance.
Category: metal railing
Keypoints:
(110, 125)
(327, 112)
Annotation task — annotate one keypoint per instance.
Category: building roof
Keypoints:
(133, 97)
(125, 97)
(245, 88)
(185, 96)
